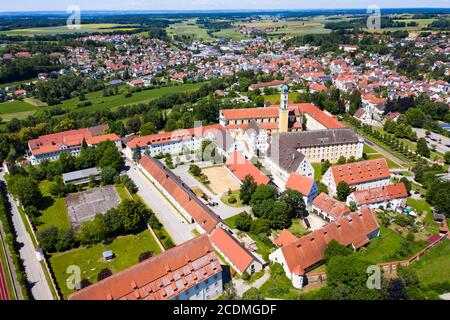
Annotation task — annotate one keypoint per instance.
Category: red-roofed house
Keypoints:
(304, 185)
(240, 167)
(285, 238)
(234, 252)
(390, 196)
(50, 146)
(329, 208)
(359, 175)
(306, 253)
(189, 271)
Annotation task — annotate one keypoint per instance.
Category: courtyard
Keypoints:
(220, 180)
(83, 206)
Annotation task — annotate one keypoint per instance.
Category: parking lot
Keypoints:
(83, 206)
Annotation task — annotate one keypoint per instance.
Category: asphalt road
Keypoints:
(40, 289)
(441, 142)
(177, 227)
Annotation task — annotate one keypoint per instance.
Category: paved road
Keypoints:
(441, 142)
(40, 289)
(175, 224)
(4, 295)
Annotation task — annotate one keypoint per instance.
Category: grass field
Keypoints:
(188, 28)
(289, 27)
(381, 249)
(298, 229)
(238, 202)
(231, 221)
(56, 214)
(278, 285)
(126, 250)
(22, 110)
(434, 266)
(122, 192)
(84, 28)
(230, 33)
(317, 171)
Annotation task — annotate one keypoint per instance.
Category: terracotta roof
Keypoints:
(273, 112)
(361, 172)
(285, 238)
(184, 196)
(172, 136)
(106, 137)
(330, 206)
(349, 230)
(71, 138)
(300, 183)
(232, 249)
(380, 194)
(161, 277)
(241, 167)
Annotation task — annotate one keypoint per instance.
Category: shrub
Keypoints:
(103, 274)
(232, 199)
(145, 255)
(245, 276)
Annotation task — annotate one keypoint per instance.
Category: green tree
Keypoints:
(147, 129)
(343, 190)
(243, 221)
(248, 187)
(422, 148)
(334, 249)
(26, 190)
(415, 117)
(133, 215)
(349, 270)
(252, 294)
(295, 203)
(278, 217)
(447, 157)
(325, 166)
(108, 175)
(342, 160)
(407, 183)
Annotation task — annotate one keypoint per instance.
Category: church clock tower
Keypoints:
(284, 109)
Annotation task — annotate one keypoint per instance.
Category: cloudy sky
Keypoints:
(62, 5)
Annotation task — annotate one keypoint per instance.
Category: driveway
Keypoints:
(178, 228)
(40, 289)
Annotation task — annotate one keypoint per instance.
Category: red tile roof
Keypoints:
(349, 230)
(380, 194)
(273, 112)
(299, 183)
(232, 249)
(361, 172)
(161, 277)
(202, 215)
(172, 136)
(331, 206)
(71, 138)
(285, 238)
(241, 167)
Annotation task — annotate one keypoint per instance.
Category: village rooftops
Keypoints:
(161, 277)
(353, 229)
(299, 183)
(361, 172)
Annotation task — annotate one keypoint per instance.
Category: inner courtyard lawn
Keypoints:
(126, 250)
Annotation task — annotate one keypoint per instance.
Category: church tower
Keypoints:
(284, 109)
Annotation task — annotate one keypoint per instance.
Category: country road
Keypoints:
(40, 289)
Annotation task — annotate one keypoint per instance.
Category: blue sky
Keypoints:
(62, 5)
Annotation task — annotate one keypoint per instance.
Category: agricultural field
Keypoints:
(126, 250)
(84, 28)
(16, 109)
(188, 28)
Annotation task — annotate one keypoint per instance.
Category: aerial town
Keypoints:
(225, 158)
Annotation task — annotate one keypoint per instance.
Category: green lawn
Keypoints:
(391, 164)
(434, 266)
(231, 221)
(15, 106)
(423, 206)
(297, 228)
(381, 249)
(317, 171)
(126, 249)
(188, 28)
(122, 192)
(275, 98)
(278, 285)
(56, 214)
(236, 195)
